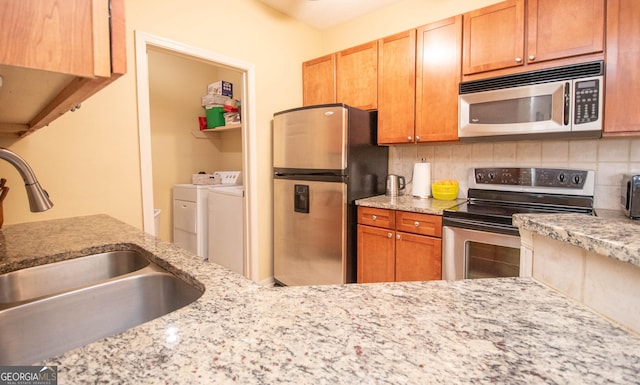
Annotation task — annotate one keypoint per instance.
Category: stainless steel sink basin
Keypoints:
(44, 280)
(35, 330)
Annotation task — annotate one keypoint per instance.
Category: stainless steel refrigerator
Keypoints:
(324, 158)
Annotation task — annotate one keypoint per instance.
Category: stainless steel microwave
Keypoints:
(561, 102)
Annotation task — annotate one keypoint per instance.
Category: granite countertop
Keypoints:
(489, 331)
(409, 203)
(610, 233)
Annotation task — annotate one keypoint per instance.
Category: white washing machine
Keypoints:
(226, 226)
(190, 218)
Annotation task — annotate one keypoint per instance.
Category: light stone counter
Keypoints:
(609, 234)
(498, 331)
(409, 203)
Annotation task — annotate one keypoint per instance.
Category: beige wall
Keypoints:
(89, 160)
(400, 17)
(179, 149)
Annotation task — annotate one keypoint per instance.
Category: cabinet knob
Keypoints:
(389, 235)
(409, 139)
(374, 217)
(77, 107)
(518, 59)
(416, 223)
(417, 138)
(397, 236)
(532, 57)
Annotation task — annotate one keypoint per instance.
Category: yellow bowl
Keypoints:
(445, 192)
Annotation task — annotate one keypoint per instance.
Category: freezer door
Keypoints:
(310, 230)
(311, 138)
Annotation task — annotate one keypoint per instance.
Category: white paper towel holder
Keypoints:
(421, 180)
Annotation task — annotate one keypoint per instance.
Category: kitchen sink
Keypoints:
(44, 280)
(32, 331)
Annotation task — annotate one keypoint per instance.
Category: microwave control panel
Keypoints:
(587, 101)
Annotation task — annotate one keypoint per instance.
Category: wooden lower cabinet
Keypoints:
(379, 247)
(387, 254)
(418, 257)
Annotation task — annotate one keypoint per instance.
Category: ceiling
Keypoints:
(324, 14)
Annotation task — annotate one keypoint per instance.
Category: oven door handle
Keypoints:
(481, 226)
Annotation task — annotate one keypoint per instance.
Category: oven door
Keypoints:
(469, 253)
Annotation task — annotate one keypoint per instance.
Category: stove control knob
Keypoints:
(562, 177)
(576, 179)
(492, 175)
(479, 177)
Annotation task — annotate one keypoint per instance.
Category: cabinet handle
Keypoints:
(532, 57)
(389, 235)
(409, 139)
(397, 236)
(518, 59)
(416, 223)
(417, 138)
(374, 217)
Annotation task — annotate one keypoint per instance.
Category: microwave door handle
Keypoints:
(567, 102)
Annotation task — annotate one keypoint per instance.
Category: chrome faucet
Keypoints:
(38, 198)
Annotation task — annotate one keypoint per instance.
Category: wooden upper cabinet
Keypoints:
(494, 37)
(396, 88)
(319, 80)
(565, 31)
(55, 54)
(70, 36)
(357, 76)
(621, 114)
(559, 29)
(439, 47)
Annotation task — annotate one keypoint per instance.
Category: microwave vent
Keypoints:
(573, 71)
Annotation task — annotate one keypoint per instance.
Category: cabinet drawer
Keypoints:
(376, 217)
(417, 223)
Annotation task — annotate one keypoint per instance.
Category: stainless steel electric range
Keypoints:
(479, 239)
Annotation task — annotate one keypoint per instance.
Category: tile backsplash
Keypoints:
(609, 158)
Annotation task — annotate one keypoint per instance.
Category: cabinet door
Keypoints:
(70, 37)
(319, 81)
(418, 257)
(559, 29)
(438, 74)
(396, 88)
(622, 114)
(493, 37)
(376, 254)
(357, 76)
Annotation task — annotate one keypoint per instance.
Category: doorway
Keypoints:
(246, 72)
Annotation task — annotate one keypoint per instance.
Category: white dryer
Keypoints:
(226, 227)
(190, 218)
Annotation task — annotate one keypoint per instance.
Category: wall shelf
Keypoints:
(203, 133)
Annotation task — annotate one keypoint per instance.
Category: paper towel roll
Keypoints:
(421, 180)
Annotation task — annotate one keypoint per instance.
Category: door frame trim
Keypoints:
(143, 41)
